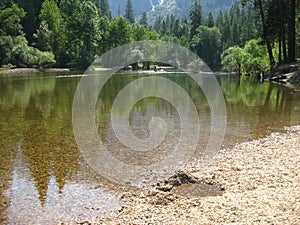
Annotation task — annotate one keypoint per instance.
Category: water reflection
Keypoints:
(256, 109)
(42, 173)
(39, 157)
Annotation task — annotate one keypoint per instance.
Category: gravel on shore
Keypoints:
(33, 70)
(260, 179)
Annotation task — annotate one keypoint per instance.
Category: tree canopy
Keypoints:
(76, 31)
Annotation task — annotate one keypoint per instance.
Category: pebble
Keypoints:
(260, 180)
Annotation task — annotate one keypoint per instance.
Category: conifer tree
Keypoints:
(210, 20)
(292, 31)
(129, 15)
(104, 7)
(144, 19)
(195, 17)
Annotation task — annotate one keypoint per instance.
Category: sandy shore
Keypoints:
(260, 179)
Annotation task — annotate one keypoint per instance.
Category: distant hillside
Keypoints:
(163, 7)
(139, 6)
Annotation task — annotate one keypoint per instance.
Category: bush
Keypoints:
(23, 55)
(250, 60)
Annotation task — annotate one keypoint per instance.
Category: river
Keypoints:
(45, 179)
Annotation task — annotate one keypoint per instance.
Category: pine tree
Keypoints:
(30, 21)
(158, 24)
(104, 7)
(129, 15)
(210, 20)
(260, 5)
(219, 20)
(119, 10)
(144, 19)
(195, 17)
(276, 22)
(292, 31)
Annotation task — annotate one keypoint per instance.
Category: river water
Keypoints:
(45, 179)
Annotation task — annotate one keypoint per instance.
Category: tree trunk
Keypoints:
(292, 31)
(265, 33)
(284, 45)
(279, 47)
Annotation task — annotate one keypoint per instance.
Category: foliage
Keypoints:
(250, 60)
(255, 60)
(119, 32)
(14, 46)
(144, 20)
(6, 44)
(30, 22)
(10, 20)
(210, 22)
(129, 12)
(50, 35)
(233, 59)
(298, 30)
(104, 8)
(81, 30)
(78, 30)
(24, 55)
(195, 17)
(140, 33)
(238, 25)
(207, 44)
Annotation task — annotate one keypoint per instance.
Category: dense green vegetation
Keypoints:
(252, 36)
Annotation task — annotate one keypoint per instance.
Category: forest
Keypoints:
(250, 37)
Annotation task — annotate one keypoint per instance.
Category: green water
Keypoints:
(44, 178)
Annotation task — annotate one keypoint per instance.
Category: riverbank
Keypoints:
(34, 70)
(286, 73)
(260, 180)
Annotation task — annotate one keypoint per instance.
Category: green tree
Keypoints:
(233, 59)
(158, 24)
(256, 59)
(140, 33)
(210, 20)
(119, 32)
(104, 7)
(82, 31)
(291, 30)
(249, 24)
(51, 33)
(144, 20)
(5, 4)
(226, 32)
(250, 60)
(235, 32)
(104, 40)
(30, 21)
(22, 55)
(10, 20)
(298, 29)
(129, 14)
(195, 17)
(276, 22)
(260, 5)
(220, 19)
(207, 45)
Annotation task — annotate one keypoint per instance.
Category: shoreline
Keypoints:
(34, 70)
(260, 179)
(285, 74)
